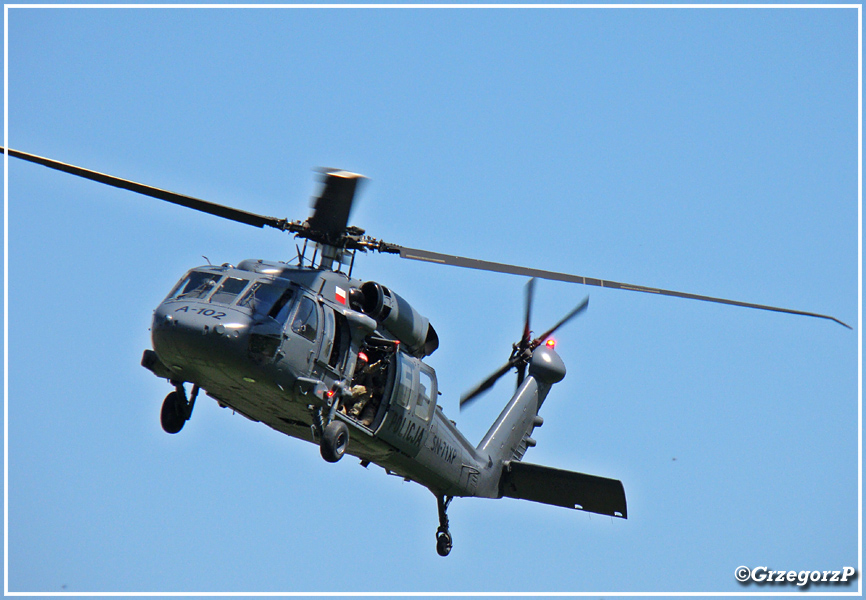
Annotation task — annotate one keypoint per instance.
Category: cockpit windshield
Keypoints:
(263, 297)
(228, 291)
(196, 285)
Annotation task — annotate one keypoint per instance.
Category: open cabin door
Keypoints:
(410, 404)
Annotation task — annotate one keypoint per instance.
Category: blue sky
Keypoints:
(711, 151)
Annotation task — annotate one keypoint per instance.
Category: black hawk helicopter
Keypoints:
(319, 355)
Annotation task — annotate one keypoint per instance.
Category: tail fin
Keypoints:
(508, 438)
(563, 488)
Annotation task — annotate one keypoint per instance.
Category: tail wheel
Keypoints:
(171, 418)
(443, 543)
(335, 440)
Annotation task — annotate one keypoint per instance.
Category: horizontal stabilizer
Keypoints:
(563, 488)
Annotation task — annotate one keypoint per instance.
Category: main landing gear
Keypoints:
(176, 408)
(443, 536)
(335, 439)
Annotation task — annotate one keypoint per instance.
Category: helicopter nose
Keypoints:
(198, 335)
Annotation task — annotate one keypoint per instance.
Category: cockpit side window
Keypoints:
(260, 297)
(306, 320)
(340, 348)
(228, 291)
(281, 308)
(196, 285)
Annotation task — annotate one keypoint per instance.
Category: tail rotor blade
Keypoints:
(527, 332)
(522, 352)
(530, 289)
(486, 384)
(574, 312)
(521, 374)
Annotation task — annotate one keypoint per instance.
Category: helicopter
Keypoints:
(322, 356)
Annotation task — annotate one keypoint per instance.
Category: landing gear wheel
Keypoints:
(443, 536)
(171, 418)
(335, 439)
(443, 543)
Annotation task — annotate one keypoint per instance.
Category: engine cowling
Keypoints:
(397, 316)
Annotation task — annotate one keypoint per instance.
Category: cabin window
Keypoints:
(403, 385)
(261, 297)
(306, 321)
(229, 290)
(196, 285)
(424, 404)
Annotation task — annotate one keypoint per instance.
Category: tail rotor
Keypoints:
(521, 352)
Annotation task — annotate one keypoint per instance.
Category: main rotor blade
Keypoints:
(226, 212)
(331, 209)
(483, 265)
(574, 312)
(486, 384)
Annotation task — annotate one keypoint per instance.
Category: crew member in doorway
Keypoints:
(364, 401)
